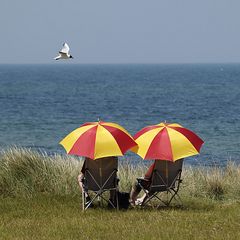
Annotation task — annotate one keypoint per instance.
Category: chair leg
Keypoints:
(83, 201)
(117, 202)
(99, 201)
(113, 199)
(174, 196)
(148, 198)
(164, 202)
(168, 201)
(178, 199)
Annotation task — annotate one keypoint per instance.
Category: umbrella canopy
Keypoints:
(166, 141)
(97, 140)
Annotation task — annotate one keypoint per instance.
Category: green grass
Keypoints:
(46, 217)
(40, 199)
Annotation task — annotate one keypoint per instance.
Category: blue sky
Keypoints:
(126, 31)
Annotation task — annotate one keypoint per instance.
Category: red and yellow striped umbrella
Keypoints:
(166, 141)
(97, 140)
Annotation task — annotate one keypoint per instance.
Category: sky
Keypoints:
(126, 31)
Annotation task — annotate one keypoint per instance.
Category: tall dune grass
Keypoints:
(213, 182)
(25, 172)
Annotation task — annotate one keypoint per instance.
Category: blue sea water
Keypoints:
(40, 104)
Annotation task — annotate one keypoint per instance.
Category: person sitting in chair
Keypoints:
(136, 188)
(83, 187)
(80, 179)
(168, 173)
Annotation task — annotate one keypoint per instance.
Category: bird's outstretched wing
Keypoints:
(65, 48)
(57, 57)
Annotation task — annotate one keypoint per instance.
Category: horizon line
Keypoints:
(121, 63)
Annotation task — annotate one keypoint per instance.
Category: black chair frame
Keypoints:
(99, 192)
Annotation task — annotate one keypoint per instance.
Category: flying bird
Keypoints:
(64, 53)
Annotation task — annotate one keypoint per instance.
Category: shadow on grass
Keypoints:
(43, 201)
(188, 205)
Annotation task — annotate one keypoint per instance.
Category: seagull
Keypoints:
(64, 53)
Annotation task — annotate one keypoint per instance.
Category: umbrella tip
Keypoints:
(98, 119)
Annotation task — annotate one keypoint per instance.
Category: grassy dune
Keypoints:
(25, 173)
(40, 199)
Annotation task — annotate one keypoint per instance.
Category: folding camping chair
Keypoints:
(166, 178)
(101, 176)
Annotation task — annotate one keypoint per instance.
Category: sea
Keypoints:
(41, 104)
